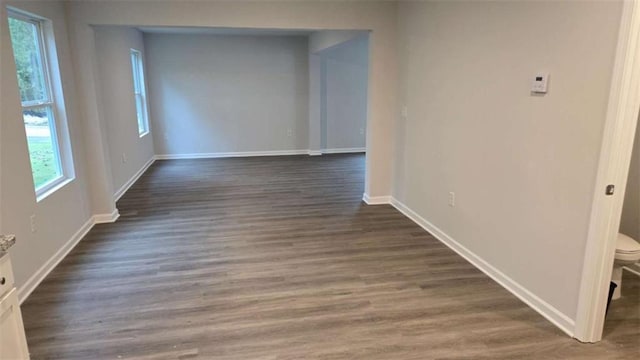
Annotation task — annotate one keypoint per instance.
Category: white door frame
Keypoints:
(613, 168)
(3, 17)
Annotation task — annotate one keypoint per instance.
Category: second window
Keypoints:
(139, 92)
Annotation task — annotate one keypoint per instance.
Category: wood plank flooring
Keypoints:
(278, 258)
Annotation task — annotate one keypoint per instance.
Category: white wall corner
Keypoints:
(562, 321)
(27, 288)
(376, 200)
(106, 218)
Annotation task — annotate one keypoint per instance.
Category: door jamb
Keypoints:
(613, 168)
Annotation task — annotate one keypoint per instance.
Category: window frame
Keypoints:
(49, 102)
(139, 90)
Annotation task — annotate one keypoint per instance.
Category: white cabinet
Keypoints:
(13, 342)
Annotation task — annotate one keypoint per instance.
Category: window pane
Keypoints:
(43, 150)
(135, 59)
(27, 54)
(140, 114)
(139, 92)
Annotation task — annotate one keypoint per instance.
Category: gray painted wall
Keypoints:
(345, 91)
(523, 167)
(58, 216)
(113, 45)
(226, 93)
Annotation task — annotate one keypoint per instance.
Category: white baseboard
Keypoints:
(376, 200)
(27, 288)
(545, 309)
(106, 218)
(133, 179)
(343, 150)
(250, 154)
(231, 154)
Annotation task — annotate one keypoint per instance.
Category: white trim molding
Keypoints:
(545, 309)
(613, 168)
(232, 154)
(133, 179)
(343, 150)
(376, 200)
(106, 218)
(254, 153)
(27, 288)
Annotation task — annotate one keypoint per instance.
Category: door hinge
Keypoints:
(610, 190)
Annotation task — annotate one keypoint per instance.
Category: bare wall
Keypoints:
(345, 96)
(522, 167)
(128, 152)
(61, 214)
(228, 93)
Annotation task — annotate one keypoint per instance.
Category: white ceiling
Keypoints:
(223, 31)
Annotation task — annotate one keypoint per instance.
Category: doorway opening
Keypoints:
(615, 158)
(233, 92)
(623, 309)
(343, 98)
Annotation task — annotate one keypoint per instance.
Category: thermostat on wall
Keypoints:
(540, 82)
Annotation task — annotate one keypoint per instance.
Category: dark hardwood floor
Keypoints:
(278, 258)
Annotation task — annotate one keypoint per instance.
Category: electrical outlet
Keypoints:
(124, 158)
(32, 220)
(452, 199)
(289, 132)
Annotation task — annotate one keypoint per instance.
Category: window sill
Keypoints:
(58, 186)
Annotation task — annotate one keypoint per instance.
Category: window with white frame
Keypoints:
(139, 92)
(48, 165)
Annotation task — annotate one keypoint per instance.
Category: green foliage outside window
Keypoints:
(28, 62)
